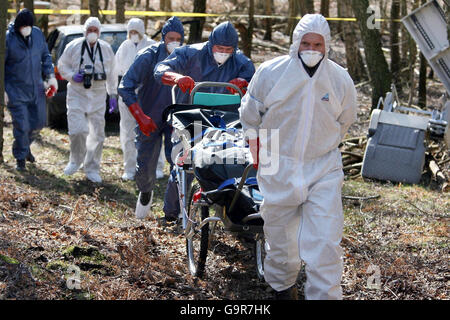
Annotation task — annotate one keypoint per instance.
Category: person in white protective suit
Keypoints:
(88, 64)
(137, 40)
(306, 103)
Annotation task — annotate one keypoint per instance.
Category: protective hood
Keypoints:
(173, 24)
(136, 24)
(92, 22)
(24, 18)
(310, 23)
(224, 35)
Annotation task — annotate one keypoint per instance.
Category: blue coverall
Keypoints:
(197, 61)
(153, 98)
(27, 61)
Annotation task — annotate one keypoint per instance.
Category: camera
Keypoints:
(87, 76)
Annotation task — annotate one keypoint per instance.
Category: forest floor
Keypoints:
(395, 246)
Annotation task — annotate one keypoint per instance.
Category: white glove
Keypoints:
(51, 82)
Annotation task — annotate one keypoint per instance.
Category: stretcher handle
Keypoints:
(199, 85)
(241, 185)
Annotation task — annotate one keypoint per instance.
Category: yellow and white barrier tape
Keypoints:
(178, 14)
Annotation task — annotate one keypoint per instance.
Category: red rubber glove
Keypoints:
(183, 82)
(50, 92)
(240, 83)
(254, 149)
(146, 124)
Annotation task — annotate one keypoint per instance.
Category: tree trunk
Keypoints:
(84, 4)
(379, 73)
(355, 62)
(412, 62)
(3, 22)
(196, 29)
(104, 18)
(309, 6)
(147, 8)
(251, 25)
(29, 4)
(246, 31)
(268, 22)
(295, 6)
(405, 36)
(325, 8)
(395, 45)
(165, 5)
(93, 8)
(120, 11)
(422, 95)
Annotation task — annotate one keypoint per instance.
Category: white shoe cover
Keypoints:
(141, 210)
(128, 176)
(159, 174)
(94, 177)
(71, 168)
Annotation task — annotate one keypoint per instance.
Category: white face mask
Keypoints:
(135, 38)
(92, 37)
(26, 31)
(311, 58)
(221, 57)
(172, 45)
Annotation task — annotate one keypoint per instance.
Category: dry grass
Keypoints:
(403, 235)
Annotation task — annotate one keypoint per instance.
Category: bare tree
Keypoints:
(268, 22)
(196, 29)
(405, 37)
(165, 5)
(294, 11)
(412, 57)
(147, 8)
(251, 25)
(246, 31)
(307, 6)
(422, 94)
(94, 8)
(355, 62)
(84, 4)
(120, 11)
(29, 4)
(379, 73)
(395, 43)
(325, 8)
(3, 22)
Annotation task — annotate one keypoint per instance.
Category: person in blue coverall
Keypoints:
(218, 60)
(147, 107)
(27, 64)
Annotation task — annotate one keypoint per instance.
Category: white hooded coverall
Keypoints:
(86, 107)
(302, 208)
(125, 56)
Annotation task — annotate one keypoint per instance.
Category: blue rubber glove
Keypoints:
(78, 77)
(112, 103)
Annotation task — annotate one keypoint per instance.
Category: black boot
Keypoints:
(288, 294)
(20, 165)
(30, 158)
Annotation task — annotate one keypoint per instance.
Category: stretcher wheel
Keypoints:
(197, 246)
(260, 254)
